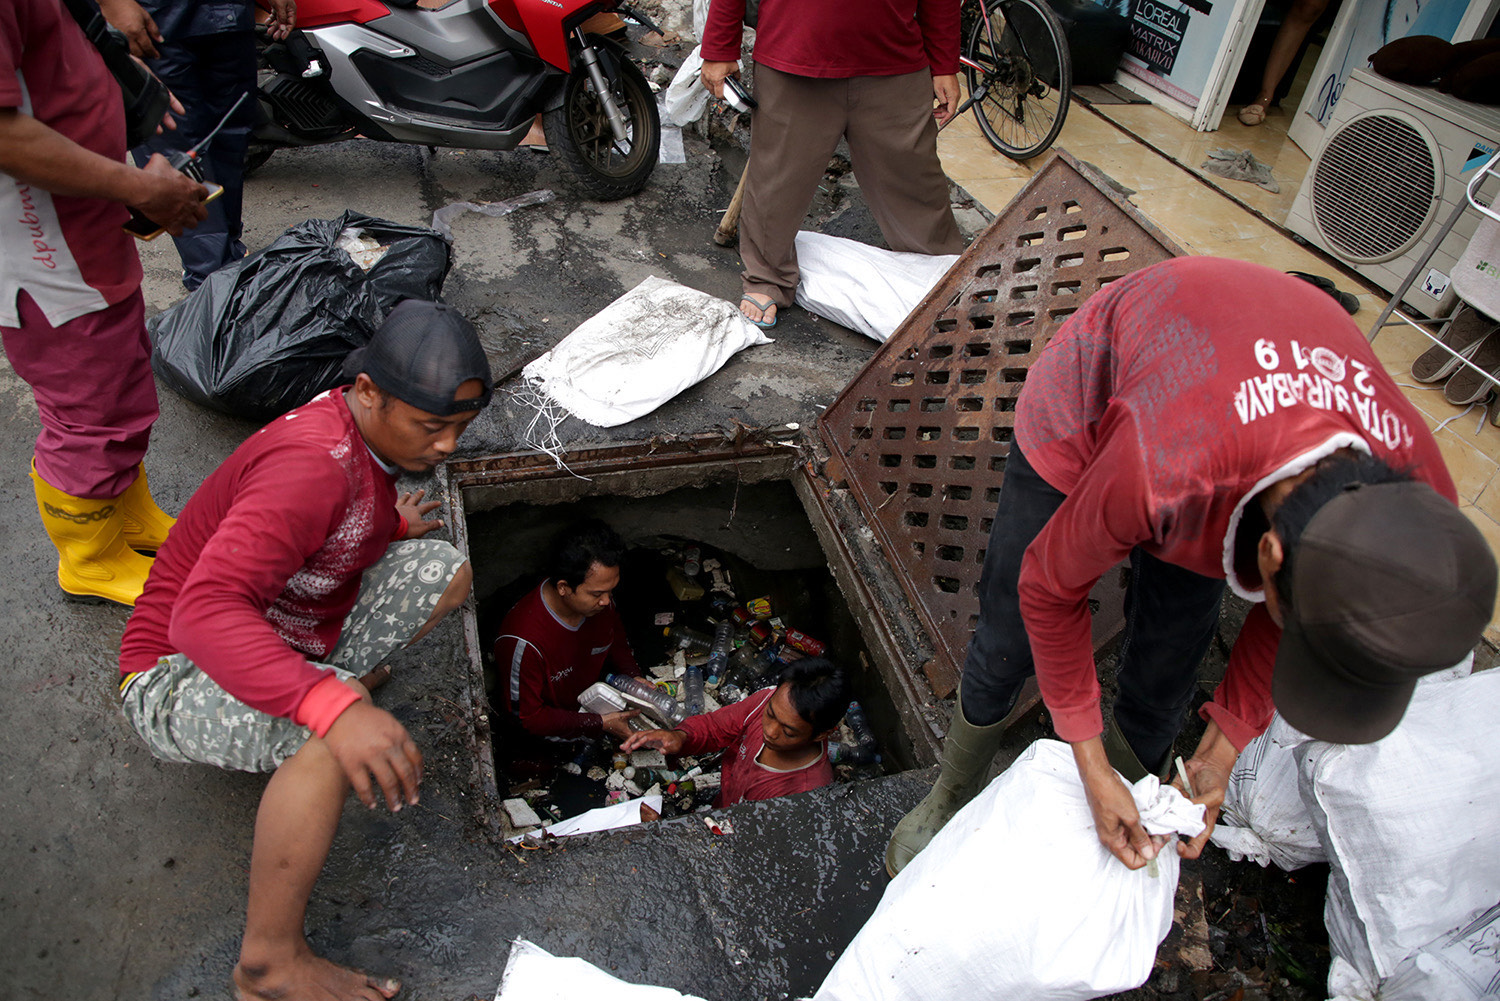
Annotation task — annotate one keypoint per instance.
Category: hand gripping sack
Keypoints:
(1016, 898)
(266, 334)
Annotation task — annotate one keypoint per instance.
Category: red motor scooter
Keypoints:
(472, 74)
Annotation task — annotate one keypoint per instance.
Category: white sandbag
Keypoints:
(686, 98)
(1016, 898)
(534, 974)
(1463, 965)
(862, 287)
(640, 351)
(1411, 826)
(1263, 819)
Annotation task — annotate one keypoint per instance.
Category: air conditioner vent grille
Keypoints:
(1374, 187)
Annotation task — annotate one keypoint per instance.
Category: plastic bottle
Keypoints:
(718, 653)
(692, 561)
(859, 724)
(692, 685)
(685, 638)
(664, 703)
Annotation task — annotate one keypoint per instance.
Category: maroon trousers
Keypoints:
(92, 381)
(892, 143)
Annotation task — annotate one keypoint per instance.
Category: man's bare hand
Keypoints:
(618, 724)
(1116, 820)
(135, 24)
(945, 91)
(376, 751)
(411, 507)
(714, 74)
(666, 741)
(1208, 771)
(170, 198)
(283, 18)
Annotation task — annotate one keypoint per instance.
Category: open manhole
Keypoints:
(754, 506)
(874, 527)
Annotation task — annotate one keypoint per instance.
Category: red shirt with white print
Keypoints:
(264, 564)
(1161, 409)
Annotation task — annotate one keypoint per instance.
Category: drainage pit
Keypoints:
(746, 507)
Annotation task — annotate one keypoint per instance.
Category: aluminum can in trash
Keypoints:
(805, 643)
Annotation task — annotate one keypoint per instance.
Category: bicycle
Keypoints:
(1020, 76)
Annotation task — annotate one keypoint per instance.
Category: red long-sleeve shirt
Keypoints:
(826, 38)
(264, 564)
(1163, 407)
(545, 664)
(739, 732)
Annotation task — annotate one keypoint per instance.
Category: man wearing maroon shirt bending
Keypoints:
(1213, 422)
(294, 572)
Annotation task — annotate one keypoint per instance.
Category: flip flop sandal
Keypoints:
(1253, 114)
(762, 323)
(1468, 386)
(1464, 335)
(1347, 300)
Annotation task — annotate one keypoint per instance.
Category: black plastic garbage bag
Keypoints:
(267, 334)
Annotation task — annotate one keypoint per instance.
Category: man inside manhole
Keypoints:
(775, 742)
(294, 572)
(564, 636)
(1210, 419)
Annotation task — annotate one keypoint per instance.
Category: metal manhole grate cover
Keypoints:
(923, 431)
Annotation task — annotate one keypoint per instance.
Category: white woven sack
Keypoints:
(1263, 819)
(862, 287)
(1411, 825)
(1016, 898)
(640, 351)
(534, 974)
(1463, 965)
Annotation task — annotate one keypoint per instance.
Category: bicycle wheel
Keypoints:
(1025, 76)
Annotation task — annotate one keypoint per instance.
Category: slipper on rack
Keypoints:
(1348, 300)
(770, 303)
(1253, 114)
(1465, 333)
(1467, 386)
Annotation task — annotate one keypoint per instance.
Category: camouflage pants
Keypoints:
(184, 716)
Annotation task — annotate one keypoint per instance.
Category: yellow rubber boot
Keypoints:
(95, 563)
(146, 525)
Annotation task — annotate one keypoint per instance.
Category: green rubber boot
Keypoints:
(1124, 758)
(967, 753)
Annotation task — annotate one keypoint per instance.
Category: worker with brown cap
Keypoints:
(290, 578)
(1211, 422)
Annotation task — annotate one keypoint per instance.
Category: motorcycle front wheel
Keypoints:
(578, 130)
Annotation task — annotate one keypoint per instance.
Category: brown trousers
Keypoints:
(892, 143)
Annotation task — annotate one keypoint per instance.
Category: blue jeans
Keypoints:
(1170, 617)
(208, 73)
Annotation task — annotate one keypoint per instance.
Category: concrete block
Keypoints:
(521, 814)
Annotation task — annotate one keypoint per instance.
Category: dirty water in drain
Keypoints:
(738, 553)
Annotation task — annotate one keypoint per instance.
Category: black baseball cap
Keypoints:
(421, 354)
(1389, 582)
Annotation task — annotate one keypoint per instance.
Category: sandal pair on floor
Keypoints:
(1470, 335)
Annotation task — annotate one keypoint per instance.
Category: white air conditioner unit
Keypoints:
(1388, 177)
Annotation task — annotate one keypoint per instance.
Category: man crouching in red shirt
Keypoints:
(294, 572)
(775, 742)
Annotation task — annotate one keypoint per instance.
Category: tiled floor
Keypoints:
(1144, 148)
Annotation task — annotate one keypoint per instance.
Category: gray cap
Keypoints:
(421, 354)
(1389, 582)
